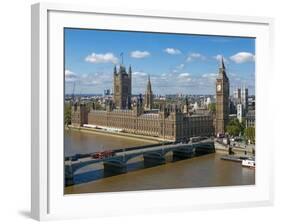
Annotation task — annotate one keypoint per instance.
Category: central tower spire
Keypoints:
(122, 87)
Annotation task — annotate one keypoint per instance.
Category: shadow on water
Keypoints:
(94, 175)
(178, 158)
(100, 174)
(88, 176)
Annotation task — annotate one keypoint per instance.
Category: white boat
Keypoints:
(249, 163)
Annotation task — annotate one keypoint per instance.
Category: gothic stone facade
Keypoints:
(169, 123)
(172, 122)
(79, 115)
(173, 125)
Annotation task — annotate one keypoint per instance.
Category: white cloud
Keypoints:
(218, 57)
(96, 79)
(102, 58)
(242, 57)
(194, 56)
(70, 76)
(172, 51)
(232, 74)
(181, 66)
(178, 68)
(140, 74)
(140, 54)
(68, 72)
(184, 75)
(209, 75)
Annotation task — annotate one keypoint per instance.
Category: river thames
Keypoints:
(203, 171)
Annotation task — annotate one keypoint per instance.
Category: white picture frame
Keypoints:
(48, 200)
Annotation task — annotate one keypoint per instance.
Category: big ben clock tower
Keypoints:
(222, 100)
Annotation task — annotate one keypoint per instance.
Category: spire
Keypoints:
(186, 100)
(185, 106)
(222, 63)
(222, 72)
(148, 95)
(115, 70)
(122, 57)
(130, 70)
(148, 88)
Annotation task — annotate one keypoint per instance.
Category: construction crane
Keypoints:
(74, 83)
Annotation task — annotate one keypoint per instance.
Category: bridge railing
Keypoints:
(85, 155)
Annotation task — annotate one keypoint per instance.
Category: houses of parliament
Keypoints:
(170, 122)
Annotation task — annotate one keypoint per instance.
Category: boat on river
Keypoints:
(249, 163)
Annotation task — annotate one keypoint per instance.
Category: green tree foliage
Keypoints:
(212, 107)
(250, 134)
(234, 127)
(233, 130)
(67, 114)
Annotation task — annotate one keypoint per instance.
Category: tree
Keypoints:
(212, 107)
(67, 114)
(243, 126)
(234, 127)
(250, 134)
(233, 130)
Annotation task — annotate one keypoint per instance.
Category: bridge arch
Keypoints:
(159, 153)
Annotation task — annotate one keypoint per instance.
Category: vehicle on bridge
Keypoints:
(198, 139)
(103, 154)
(220, 135)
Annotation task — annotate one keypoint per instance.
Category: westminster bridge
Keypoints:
(152, 155)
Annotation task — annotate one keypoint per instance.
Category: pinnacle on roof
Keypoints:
(148, 88)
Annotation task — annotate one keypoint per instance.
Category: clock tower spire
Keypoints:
(222, 99)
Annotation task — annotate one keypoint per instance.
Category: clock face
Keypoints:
(219, 87)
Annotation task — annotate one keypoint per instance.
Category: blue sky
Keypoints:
(176, 63)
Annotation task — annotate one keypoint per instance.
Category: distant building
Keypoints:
(251, 103)
(232, 107)
(241, 96)
(237, 94)
(195, 106)
(244, 98)
(208, 101)
(250, 119)
(240, 112)
(106, 92)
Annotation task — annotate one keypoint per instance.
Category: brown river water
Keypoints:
(203, 171)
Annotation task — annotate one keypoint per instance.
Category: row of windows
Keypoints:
(151, 126)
